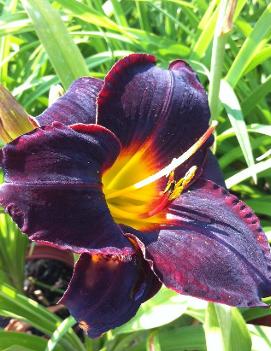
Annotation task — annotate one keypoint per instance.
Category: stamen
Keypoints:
(183, 183)
(173, 190)
(170, 182)
(176, 162)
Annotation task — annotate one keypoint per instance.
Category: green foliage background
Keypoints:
(43, 43)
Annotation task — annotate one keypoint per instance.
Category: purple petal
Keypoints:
(106, 291)
(141, 102)
(53, 187)
(78, 105)
(215, 249)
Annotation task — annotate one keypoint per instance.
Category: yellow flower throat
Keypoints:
(137, 194)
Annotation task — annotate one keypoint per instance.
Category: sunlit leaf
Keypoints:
(225, 329)
(63, 53)
(163, 308)
(255, 40)
(234, 112)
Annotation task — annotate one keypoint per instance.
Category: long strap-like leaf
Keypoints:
(64, 55)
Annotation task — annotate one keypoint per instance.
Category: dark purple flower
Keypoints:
(103, 177)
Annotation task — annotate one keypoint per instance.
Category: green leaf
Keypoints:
(252, 128)
(62, 51)
(106, 56)
(234, 330)
(256, 96)
(14, 119)
(234, 112)
(261, 206)
(246, 173)
(142, 15)
(249, 314)
(261, 337)
(188, 338)
(196, 308)
(217, 58)
(15, 23)
(88, 14)
(119, 13)
(254, 41)
(13, 246)
(213, 333)
(60, 331)
(12, 341)
(133, 342)
(153, 343)
(137, 36)
(225, 329)
(206, 36)
(15, 305)
(259, 58)
(163, 308)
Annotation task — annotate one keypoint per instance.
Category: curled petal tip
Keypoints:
(77, 105)
(107, 290)
(178, 64)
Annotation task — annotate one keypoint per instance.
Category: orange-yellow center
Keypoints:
(131, 207)
(135, 188)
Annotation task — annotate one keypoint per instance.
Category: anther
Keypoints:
(183, 183)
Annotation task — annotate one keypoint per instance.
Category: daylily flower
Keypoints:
(120, 172)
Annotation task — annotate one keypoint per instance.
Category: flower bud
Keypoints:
(14, 121)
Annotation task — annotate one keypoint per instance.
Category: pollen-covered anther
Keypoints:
(171, 182)
(183, 183)
(172, 191)
(84, 326)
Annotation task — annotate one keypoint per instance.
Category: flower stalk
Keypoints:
(223, 27)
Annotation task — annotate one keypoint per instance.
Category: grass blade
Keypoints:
(217, 59)
(119, 13)
(207, 33)
(256, 96)
(234, 112)
(15, 305)
(234, 330)
(164, 308)
(254, 41)
(259, 58)
(213, 334)
(246, 173)
(88, 14)
(183, 339)
(225, 329)
(63, 53)
(24, 341)
(60, 331)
